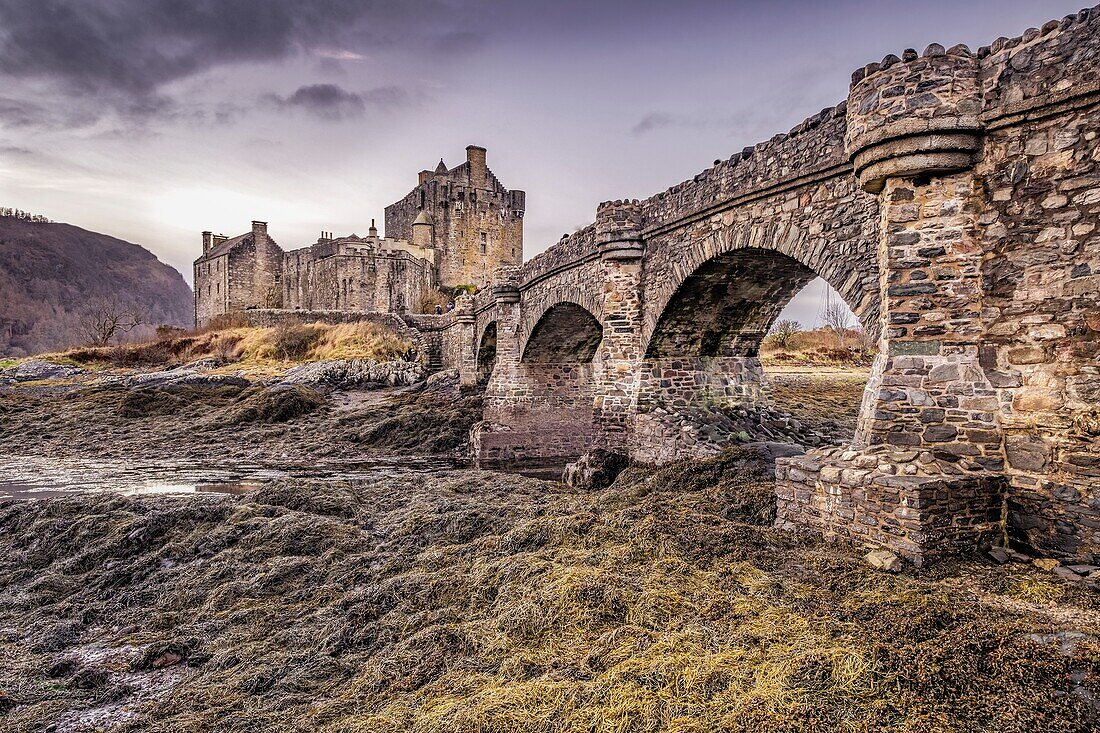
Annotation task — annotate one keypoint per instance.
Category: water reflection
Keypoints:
(35, 477)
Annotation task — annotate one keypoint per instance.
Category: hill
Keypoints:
(51, 274)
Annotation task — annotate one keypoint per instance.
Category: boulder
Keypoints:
(596, 469)
(883, 560)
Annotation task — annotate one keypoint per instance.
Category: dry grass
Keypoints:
(820, 346)
(477, 603)
(244, 346)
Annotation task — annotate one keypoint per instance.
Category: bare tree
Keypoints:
(836, 317)
(783, 333)
(107, 318)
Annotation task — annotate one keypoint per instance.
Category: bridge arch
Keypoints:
(487, 352)
(566, 332)
(748, 272)
(726, 305)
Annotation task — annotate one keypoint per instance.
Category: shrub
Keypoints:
(783, 333)
(293, 341)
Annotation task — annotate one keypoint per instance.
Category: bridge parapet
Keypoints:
(571, 249)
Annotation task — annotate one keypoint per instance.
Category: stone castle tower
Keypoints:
(455, 228)
(474, 223)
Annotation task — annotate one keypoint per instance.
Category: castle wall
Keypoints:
(464, 204)
(211, 278)
(239, 274)
(382, 281)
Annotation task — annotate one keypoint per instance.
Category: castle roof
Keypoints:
(423, 218)
(227, 245)
(440, 168)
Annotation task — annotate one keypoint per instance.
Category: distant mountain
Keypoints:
(52, 274)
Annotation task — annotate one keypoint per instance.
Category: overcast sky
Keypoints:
(152, 120)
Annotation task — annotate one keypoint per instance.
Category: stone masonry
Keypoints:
(953, 200)
(454, 228)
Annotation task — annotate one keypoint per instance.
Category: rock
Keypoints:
(1019, 556)
(596, 469)
(355, 373)
(1064, 572)
(160, 656)
(1084, 569)
(179, 376)
(36, 369)
(1000, 555)
(883, 560)
(1045, 563)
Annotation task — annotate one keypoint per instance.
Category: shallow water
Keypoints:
(37, 477)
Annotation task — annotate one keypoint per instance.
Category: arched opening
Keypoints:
(487, 353)
(727, 305)
(712, 374)
(546, 400)
(566, 333)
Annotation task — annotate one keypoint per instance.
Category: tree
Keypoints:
(783, 333)
(107, 318)
(836, 317)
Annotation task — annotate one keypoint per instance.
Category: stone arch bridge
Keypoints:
(952, 199)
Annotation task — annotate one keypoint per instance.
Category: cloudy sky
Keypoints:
(152, 120)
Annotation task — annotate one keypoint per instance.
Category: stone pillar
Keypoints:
(920, 477)
(616, 378)
(913, 130)
(461, 338)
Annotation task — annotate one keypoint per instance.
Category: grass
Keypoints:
(473, 602)
(821, 346)
(249, 347)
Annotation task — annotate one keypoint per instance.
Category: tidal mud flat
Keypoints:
(426, 598)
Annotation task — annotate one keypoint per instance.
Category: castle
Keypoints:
(453, 229)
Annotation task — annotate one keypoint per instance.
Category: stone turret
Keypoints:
(914, 115)
(422, 230)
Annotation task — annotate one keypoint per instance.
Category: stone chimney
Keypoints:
(373, 231)
(207, 242)
(475, 161)
(259, 227)
(423, 177)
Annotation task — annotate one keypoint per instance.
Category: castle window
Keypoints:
(484, 243)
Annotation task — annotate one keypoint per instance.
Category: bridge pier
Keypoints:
(922, 475)
(538, 406)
